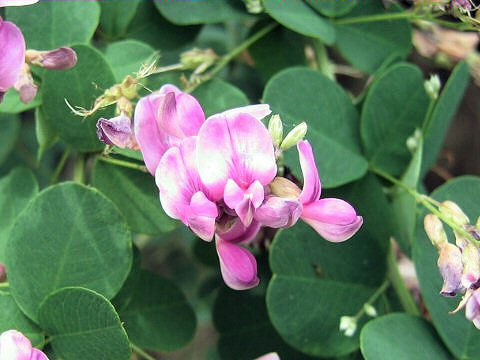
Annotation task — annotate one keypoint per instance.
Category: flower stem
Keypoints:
(232, 54)
(60, 166)
(398, 284)
(4, 285)
(123, 163)
(427, 202)
(376, 17)
(79, 169)
(373, 298)
(141, 352)
(428, 116)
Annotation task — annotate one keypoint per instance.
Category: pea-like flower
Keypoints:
(15, 346)
(12, 55)
(117, 131)
(472, 309)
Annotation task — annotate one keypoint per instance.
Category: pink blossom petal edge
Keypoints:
(12, 54)
(17, 2)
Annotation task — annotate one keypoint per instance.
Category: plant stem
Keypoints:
(60, 166)
(79, 169)
(398, 284)
(373, 298)
(232, 54)
(376, 17)
(4, 285)
(123, 163)
(426, 202)
(324, 64)
(428, 116)
(141, 352)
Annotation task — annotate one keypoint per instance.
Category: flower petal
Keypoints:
(14, 346)
(38, 355)
(12, 54)
(237, 264)
(201, 216)
(16, 2)
(116, 131)
(451, 268)
(277, 212)
(258, 111)
(236, 147)
(334, 219)
(311, 181)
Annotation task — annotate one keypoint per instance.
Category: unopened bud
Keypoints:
(25, 85)
(471, 266)
(58, 59)
(117, 131)
(294, 136)
(414, 141)
(348, 325)
(128, 88)
(454, 212)
(435, 231)
(284, 188)
(195, 58)
(275, 128)
(432, 86)
(3, 273)
(254, 6)
(450, 265)
(370, 310)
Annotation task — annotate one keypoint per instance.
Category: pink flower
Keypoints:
(237, 264)
(16, 2)
(334, 219)
(472, 309)
(12, 55)
(117, 131)
(163, 119)
(269, 356)
(182, 194)
(451, 268)
(235, 157)
(15, 346)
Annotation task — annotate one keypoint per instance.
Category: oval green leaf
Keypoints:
(333, 8)
(8, 136)
(17, 189)
(69, 235)
(155, 312)
(80, 86)
(401, 337)
(116, 15)
(300, 94)
(48, 25)
(136, 195)
(395, 106)
(459, 334)
(83, 325)
(301, 18)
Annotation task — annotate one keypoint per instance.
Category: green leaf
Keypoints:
(83, 325)
(11, 317)
(333, 8)
(8, 136)
(300, 94)
(17, 189)
(68, 235)
(404, 205)
(395, 106)
(155, 313)
(301, 18)
(148, 24)
(401, 337)
(136, 195)
(217, 95)
(129, 153)
(46, 134)
(199, 11)
(446, 106)
(127, 57)
(116, 15)
(459, 334)
(11, 103)
(279, 49)
(51, 24)
(80, 86)
(245, 330)
(367, 45)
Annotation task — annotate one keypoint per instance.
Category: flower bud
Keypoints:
(58, 59)
(370, 310)
(3, 273)
(451, 268)
(195, 58)
(414, 140)
(25, 85)
(277, 212)
(472, 309)
(348, 325)
(269, 356)
(117, 131)
(432, 86)
(454, 212)
(284, 188)
(435, 231)
(275, 128)
(254, 6)
(294, 136)
(471, 266)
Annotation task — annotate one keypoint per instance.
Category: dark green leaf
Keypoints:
(51, 24)
(79, 86)
(8, 136)
(333, 8)
(299, 17)
(136, 195)
(116, 15)
(127, 57)
(46, 134)
(68, 235)
(11, 103)
(83, 325)
(300, 94)
(401, 337)
(459, 334)
(395, 106)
